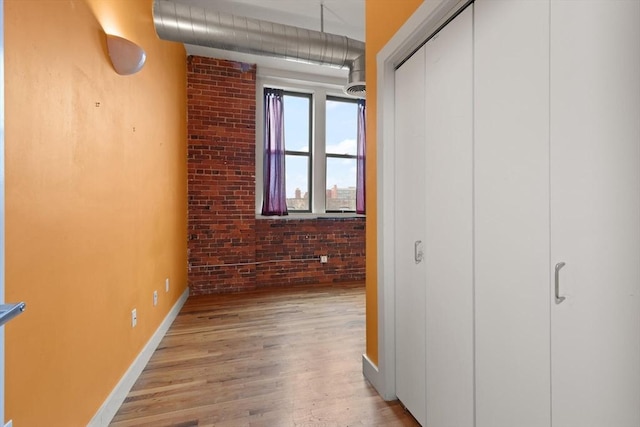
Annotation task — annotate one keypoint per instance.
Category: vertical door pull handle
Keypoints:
(417, 251)
(559, 299)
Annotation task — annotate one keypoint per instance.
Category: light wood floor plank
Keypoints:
(270, 358)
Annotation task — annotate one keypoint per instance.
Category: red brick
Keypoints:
(221, 184)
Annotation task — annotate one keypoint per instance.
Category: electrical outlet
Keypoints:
(324, 259)
(166, 284)
(155, 298)
(134, 318)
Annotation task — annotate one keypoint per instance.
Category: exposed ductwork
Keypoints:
(197, 26)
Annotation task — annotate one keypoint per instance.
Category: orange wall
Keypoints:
(383, 19)
(95, 201)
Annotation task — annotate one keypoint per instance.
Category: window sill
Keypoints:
(311, 215)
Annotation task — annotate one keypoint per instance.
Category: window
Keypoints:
(297, 141)
(341, 143)
(320, 138)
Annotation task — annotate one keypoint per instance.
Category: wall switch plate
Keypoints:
(324, 259)
(134, 318)
(155, 298)
(166, 284)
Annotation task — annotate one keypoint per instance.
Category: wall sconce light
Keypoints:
(126, 56)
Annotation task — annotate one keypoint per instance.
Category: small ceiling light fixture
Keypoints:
(126, 56)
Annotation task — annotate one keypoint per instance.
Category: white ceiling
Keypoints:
(342, 17)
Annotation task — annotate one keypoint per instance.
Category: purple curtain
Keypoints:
(362, 144)
(274, 201)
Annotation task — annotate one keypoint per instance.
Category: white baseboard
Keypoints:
(376, 378)
(372, 374)
(110, 407)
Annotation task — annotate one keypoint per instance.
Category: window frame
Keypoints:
(308, 154)
(319, 87)
(340, 156)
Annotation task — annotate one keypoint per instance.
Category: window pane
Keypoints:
(342, 127)
(341, 184)
(297, 181)
(296, 123)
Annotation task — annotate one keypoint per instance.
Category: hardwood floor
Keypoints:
(276, 358)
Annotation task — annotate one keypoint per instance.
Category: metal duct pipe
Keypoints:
(194, 25)
(356, 83)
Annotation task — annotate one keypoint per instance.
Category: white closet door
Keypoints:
(449, 221)
(595, 212)
(410, 279)
(511, 109)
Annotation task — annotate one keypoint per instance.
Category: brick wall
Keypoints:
(341, 239)
(221, 106)
(221, 109)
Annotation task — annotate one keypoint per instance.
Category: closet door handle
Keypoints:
(418, 255)
(559, 299)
